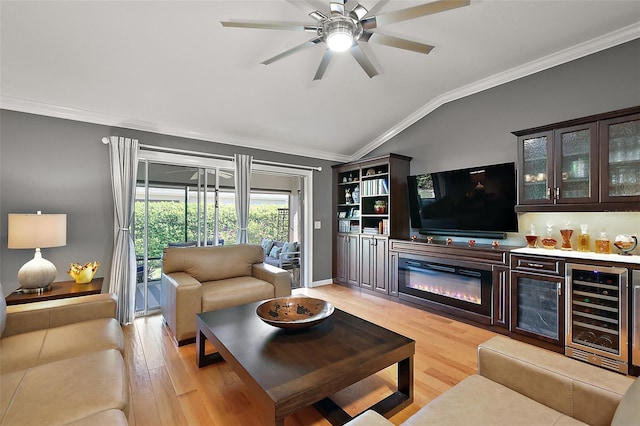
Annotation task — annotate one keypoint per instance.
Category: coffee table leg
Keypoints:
(405, 377)
(202, 359)
(200, 339)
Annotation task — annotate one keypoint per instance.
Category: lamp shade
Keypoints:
(29, 231)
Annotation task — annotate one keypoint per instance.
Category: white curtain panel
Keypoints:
(124, 168)
(243, 190)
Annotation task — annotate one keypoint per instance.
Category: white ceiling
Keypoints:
(170, 66)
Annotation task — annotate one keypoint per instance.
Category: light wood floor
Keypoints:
(168, 389)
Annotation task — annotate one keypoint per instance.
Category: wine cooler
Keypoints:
(596, 313)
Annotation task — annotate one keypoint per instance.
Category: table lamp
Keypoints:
(36, 231)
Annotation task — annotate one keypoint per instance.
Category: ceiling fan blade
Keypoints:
(364, 62)
(418, 11)
(374, 10)
(264, 25)
(295, 49)
(337, 7)
(400, 43)
(358, 12)
(309, 9)
(323, 65)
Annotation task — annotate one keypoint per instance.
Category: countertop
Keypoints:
(634, 259)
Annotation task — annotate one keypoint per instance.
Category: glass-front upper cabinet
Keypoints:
(537, 168)
(620, 152)
(576, 164)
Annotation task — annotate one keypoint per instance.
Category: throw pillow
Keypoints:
(289, 248)
(267, 245)
(275, 252)
(3, 311)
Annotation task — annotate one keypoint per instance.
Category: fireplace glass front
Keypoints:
(460, 287)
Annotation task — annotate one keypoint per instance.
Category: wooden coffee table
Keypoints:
(288, 370)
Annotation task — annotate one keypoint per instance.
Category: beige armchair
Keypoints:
(202, 279)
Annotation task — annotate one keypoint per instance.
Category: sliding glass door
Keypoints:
(186, 201)
(176, 206)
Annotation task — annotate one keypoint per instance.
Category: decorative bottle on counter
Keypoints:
(603, 244)
(584, 240)
(532, 238)
(549, 242)
(566, 234)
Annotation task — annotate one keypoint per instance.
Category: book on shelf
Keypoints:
(385, 226)
(378, 186)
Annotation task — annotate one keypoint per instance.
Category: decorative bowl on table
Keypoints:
(294, 312)
(83, 274)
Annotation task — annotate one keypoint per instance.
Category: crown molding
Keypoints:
(578, 51)
(75, 114)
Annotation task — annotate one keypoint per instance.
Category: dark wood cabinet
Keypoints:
(620, 144)
(370, 199)
(537, 299)
(374, 263)
(536, 168)
(347, 251)
(586, 164)
(393, 273)
(501, 297)
(576, 164)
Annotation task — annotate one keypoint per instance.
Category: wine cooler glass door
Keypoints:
(597, 315)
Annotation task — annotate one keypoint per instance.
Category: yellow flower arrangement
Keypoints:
(83, 274)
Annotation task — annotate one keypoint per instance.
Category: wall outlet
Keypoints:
(317, 224)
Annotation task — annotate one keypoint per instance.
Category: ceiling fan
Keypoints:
(342, 31)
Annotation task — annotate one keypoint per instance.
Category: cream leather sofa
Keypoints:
(520, 384)
(202, 279)
(61, 364)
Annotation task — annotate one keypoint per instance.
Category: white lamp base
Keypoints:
(37, 274)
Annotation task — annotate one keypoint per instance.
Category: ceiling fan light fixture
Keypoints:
(339, 35)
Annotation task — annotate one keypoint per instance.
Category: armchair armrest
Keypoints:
(181, 301)
(55, 313)
(278, 277)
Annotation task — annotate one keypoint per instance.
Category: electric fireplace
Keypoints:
(442, 284)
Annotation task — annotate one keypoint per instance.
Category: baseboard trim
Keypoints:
(320, 283)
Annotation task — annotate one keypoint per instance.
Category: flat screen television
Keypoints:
(477, 201)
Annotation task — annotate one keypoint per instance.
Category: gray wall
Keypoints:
(476, 130)
(60, 166)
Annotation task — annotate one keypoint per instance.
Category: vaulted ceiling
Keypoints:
(170, 66)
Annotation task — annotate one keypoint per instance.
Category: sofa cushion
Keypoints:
(234, 292)
(569, 386)
(213, 263)
(627, 412)
(66, 391)
(370, 418)
(27, 350)
(480, 401)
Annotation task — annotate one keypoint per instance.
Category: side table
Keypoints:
(59, 290)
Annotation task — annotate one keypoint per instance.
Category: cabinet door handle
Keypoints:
(557, 193)
(548, 192)
(559, 289)
(535, 265)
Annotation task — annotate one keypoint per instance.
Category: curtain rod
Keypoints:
(105, 141)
